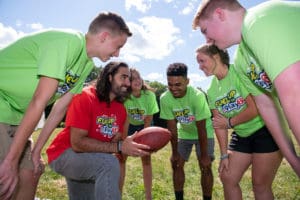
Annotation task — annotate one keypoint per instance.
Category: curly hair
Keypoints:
(177, 69)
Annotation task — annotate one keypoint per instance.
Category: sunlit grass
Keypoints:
(286, 185)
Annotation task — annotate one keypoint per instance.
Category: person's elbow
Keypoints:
(76, 144)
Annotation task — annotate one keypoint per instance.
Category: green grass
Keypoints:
(286, 185)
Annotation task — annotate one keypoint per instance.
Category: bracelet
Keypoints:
(224, 156)
(119, 146)
(229, 125)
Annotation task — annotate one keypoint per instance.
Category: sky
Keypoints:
(162, 29)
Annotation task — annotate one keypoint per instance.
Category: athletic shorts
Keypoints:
(7, 133)
(259, 142)
(184, 148)
(133, 128)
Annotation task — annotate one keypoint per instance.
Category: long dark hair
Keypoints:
(103, 85)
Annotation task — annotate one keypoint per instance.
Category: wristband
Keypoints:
(119, 146)
(229, 125)
(224, 156)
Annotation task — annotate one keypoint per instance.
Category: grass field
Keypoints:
(286, 185)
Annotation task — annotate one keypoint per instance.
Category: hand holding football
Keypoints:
(155, 137)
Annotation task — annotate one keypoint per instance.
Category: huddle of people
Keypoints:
(256, 96)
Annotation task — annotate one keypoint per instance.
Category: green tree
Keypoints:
(94, 74)
(159, 87)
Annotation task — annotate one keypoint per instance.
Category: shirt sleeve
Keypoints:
(166, 110)
(78, 114)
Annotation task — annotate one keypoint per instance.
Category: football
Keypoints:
(155, 137)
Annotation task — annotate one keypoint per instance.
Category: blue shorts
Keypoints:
(184, 148)
(259, 142)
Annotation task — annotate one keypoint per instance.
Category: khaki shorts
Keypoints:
(7, 133)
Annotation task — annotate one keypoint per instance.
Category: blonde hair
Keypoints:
(207, 7)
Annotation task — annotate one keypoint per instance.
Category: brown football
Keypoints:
(155, 137)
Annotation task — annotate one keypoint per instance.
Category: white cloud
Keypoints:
(196, 78)
(154, 76)
(8, 35)
(154, 38)
(130, 58)
(168, 1)
(35, 26)
(159, 77)
(140, 5)
(189, 8)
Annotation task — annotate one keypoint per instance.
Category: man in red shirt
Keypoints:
(83, 150)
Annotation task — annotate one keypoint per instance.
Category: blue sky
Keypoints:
(162, 32)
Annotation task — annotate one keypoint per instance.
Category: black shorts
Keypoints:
(259, 142)
(133, 128)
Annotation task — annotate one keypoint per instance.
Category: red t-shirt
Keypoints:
(86, 112)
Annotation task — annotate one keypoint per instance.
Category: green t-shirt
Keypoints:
(186, 110)
(270, 41)
(54, 53)
(138, 107)
(228, 97)
(254, 78)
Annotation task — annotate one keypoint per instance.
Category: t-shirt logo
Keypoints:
(231, 101)
(184, 116)
(136, 114)
(70, 80)
(107, 125)
(258, 76)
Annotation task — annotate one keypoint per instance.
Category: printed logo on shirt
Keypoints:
(70, 80)
(231, 101)
(107, 125)
(258, 76)
(184, 116)
(136, 114)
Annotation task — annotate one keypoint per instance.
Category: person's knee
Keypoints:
(27, 176)
(260, 185)
(27, 184)
(227, 179)
(178, 164)
(111, 168)
(206, 171)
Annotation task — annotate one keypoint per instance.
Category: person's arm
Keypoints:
(126, 126)
(80, 142)
(9, 167)
(57, 113)
(148, 120)
(172, 126)
(250, 112)
(289, 95)
(202, 137)
(222, 137)
(277, 125)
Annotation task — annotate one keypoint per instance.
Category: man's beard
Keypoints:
(120, 91)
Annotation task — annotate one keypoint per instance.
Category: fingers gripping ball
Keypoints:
(155, 137)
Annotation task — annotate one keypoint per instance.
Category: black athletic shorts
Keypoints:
(133, 128)
(259, 142)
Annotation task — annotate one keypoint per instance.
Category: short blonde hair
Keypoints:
(207, 7)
